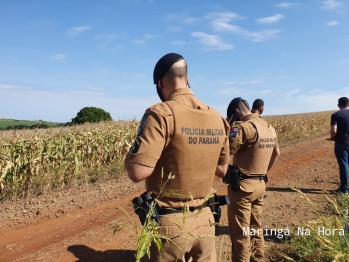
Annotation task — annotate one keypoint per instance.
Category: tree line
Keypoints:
(85, 115)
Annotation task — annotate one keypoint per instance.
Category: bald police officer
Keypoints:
(254, 150)
(189, 140)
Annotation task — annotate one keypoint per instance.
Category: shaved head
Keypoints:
(177, 72)
(243, 106)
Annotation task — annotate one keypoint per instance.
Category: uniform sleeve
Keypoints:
(224, 157)
(333, 120)
(237, 138)
(241, 137)
(152, 136)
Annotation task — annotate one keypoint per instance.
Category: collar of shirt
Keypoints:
(180, 91)
(250, 116)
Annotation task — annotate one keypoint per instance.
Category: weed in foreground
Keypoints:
(149, 232)
(324, 239)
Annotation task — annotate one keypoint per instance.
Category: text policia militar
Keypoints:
(285, 232)
(202, 136)
(267, 142)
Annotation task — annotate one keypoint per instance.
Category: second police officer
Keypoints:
(254, 150)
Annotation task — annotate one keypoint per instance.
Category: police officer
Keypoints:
(254, 150)
(258, 106)
(189, 140)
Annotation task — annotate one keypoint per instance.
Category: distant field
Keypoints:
(4, 123)
(36, 160)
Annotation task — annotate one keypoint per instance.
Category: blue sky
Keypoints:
(57, 57)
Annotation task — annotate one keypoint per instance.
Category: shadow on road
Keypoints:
(86, 254)
(304, 190)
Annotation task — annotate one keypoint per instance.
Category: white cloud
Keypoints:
(96, 89)
(223, 16)
(292, 92)
(77, 30)
(182, 18)
(331, 4)
(257, 36)
(221, 24)
(57, 56)
(220, 21)
(6, 86)
(270, 20)
(108, 42)
(332, 23)
(287, 5)
(212, 41)
(346, 39)
(283, 102)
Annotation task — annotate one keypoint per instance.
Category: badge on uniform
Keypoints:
(135, 146)
(233, 131)
(142, 124)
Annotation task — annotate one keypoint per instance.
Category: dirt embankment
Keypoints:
(76, 224)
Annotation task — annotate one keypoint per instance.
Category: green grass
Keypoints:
(4, 123)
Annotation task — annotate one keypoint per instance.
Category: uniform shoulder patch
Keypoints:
(135, 146)
(234, 130)
(142, 124)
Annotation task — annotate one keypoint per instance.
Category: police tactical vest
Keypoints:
(191, 156)
(255, 159)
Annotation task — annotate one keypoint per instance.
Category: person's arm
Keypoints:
(137, 172)
(221, 170)
(333, 131)
(224, 158)
(274, 157)
(148, 145)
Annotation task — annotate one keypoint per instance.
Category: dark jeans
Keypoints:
(342, 154)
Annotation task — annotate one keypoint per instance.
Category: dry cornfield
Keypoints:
(298, 126)
(36, 161)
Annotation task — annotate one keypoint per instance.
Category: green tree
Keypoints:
(91, 115)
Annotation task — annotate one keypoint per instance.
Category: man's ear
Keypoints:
(159, 85)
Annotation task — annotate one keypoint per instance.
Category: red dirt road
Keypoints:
(76, 224)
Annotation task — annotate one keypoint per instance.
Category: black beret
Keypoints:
(164, 64)
(232, 106)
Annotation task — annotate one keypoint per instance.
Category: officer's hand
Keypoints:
(230, 119)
